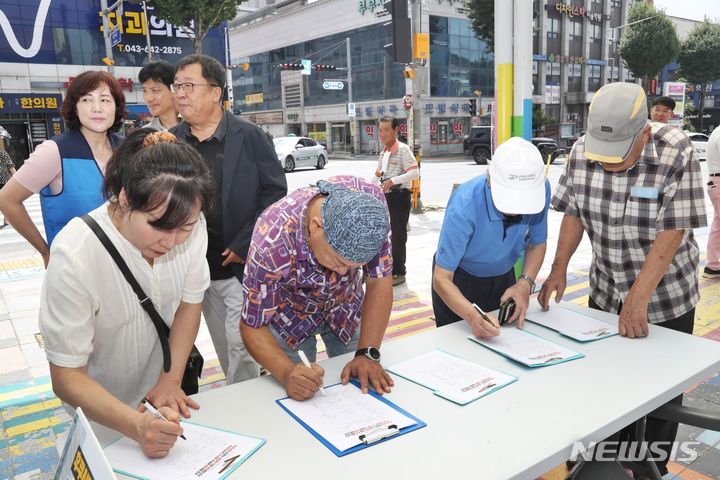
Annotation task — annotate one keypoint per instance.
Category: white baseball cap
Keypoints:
(517, 178)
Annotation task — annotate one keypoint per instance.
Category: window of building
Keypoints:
(574, 77)
(552, 27)
(595, 33)
(459, 64)
(594, 82)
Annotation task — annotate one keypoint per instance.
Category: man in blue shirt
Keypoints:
(490, 222)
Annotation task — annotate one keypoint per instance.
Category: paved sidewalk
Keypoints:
(31, 417)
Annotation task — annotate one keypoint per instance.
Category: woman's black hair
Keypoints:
(155, 169)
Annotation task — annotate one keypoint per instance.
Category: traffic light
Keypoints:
(400, 50)
(325, 68)
(290, 66)
(473, 107)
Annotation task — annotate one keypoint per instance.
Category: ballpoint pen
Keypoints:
(154, 411)
(483, 314)
(306, 362)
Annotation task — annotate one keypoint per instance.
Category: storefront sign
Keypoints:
(575, 11)
(28, 102)
(60, 31)
(125, 83)
(254, 98)
(370, 5)
(565, 59)
(264, 118)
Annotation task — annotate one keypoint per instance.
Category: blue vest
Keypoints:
(82, 183)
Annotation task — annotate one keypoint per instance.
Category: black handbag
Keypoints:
(194, 366)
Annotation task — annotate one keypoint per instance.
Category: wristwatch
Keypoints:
(370, 352)
(529, 280)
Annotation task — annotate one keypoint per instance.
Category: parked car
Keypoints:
(699, 141)
(478, 144)
(547, 146)
(296, 152)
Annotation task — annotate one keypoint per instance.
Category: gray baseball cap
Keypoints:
(618, 112)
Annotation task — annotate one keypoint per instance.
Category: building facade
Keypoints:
(46, 43)
(575, 52)
(350, 33)
(574, 48)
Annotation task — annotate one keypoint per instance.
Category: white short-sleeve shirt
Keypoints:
(89, 315)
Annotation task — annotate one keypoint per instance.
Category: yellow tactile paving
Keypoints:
(10, 413)
(23, 263)
(48, 422)
(4, 397)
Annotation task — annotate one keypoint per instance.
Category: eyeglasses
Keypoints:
(188, 87)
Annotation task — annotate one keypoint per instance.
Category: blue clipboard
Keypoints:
(418, 424)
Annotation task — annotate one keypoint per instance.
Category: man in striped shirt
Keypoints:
(395, 171)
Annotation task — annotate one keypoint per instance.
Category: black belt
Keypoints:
(399, 190)
(715, 174)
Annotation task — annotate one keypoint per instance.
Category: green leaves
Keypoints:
(482, 14)
(202, 14)
(698, 54)
(648, 46)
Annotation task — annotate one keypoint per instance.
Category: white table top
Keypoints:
(519, 432)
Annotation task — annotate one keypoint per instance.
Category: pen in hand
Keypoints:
(306, 362)
(154, 411)
(483, 315)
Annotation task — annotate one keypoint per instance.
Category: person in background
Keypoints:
(248, 178)
(67, 170)
(712, 266)
(104, 352)
(662, 109)
(304, 278)
(156, 78)
(491, 221)
(395, 171)
(7, 170)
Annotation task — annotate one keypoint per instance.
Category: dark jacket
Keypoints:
(252, 180)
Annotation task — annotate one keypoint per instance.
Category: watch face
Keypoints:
(373, 353)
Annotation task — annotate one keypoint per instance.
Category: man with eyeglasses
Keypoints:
(156, 78)
(635, 187)
(248, 179)
(662, 110)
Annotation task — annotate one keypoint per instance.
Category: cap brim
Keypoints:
(518, 202)
(608, 152)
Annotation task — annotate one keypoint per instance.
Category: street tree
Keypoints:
(698, 58)
(649, 42)
(482, 15)
(196, 17)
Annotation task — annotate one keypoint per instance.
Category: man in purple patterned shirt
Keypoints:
(303, 277)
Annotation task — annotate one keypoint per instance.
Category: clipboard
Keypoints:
(127, 457)
(544, 363)
(558, 319)
(371, 439)
(481, 391)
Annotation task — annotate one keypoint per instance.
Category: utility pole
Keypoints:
(147, 30)
(353, 120)
(106, 31)
(228, 69)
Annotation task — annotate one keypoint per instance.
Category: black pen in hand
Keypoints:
(154, 411)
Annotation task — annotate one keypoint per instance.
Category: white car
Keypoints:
(299, 152)
(699, 141)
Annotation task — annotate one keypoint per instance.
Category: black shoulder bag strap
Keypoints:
(163, 330)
